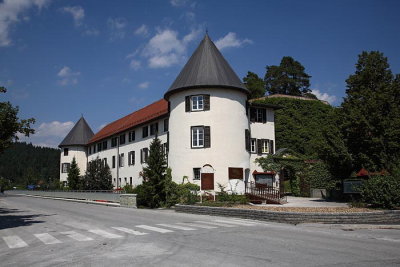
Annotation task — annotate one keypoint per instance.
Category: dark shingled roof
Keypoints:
(206, 68)
(79, 135)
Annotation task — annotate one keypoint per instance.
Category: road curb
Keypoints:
(375, 217)
(111, 204)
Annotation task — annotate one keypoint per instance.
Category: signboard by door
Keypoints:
(207, 181)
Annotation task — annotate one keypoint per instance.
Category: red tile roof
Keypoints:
(148, 113)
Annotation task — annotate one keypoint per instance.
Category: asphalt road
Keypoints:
(45, 232)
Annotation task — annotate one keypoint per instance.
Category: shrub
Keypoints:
(382, 192)
(233, 198)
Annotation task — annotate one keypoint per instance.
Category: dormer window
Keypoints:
(197, 103)
(258, 115)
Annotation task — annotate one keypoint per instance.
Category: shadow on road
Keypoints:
(11, 218)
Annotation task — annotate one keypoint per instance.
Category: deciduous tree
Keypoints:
(11, 125)
(254, 84)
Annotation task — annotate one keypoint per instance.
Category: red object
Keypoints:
(363, 172)
(269, 172)
(141, 116)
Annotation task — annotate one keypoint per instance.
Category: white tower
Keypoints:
(75, 145)
(208, 122)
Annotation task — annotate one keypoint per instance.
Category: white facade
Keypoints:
(66, 156)
(122, 172)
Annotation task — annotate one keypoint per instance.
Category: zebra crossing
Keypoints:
(115, 232)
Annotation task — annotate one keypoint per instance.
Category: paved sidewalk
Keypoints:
(309, 202)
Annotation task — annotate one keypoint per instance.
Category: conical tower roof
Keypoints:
(79, 135)
(206, 68)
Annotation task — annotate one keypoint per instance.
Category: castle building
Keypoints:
(210, 132)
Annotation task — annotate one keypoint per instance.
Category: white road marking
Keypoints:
(47, 238)
(176, 227)
(236, 222)
(14, 241)
(218, 224)
(155, 229)
(200, 225)
(105, 233)
(129, 231)
(77, 236)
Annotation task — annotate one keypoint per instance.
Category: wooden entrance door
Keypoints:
(207, 181)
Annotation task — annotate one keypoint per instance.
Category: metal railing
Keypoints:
(92, 195)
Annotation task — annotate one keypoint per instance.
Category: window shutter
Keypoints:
(253, 114)
(187, 103)
(247, 137)
(259, 146)
(271, 146)
(206, 102)
(141, 156)
(264, 115)
(207, 136)
(133, 157)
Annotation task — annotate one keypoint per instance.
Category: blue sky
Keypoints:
(105, 59)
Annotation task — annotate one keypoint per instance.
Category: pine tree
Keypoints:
(98, 176)
(154, 175)
(371, 114)
(73, 177)
(289, 78)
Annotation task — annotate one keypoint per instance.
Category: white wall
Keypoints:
(227, 120)
(129, 171)
(79, 152)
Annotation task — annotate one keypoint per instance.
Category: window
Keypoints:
(65, 167)
(131, 136)
(125, 181)
(90, 150)
(131, 158)
(65, 151)
(104, 145)
(265, 146)
(197, 103)
(114, 141)
(166, 125)
(113, 161)
(258, 115)
(197, 137)
(145, 131)
(201, 137)
(253, 145)
(105, 162)
(196, 173)
(99, 146)
(122, 139)
(165, 149)
(94, 148)
(144, 154)
(121, 160)
(154, 128)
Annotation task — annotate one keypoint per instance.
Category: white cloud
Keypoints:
(68, 77)
(91, 32)
(11, 13)
(49, 134)
(77, 13)
(324, 96)
(142, 30)
(117, 27)
(144, 85)
(135, 64)
(165, 48)
(178, 2)
(230, 40)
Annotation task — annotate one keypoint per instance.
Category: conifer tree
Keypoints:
(73, 177)
(254, 84)
(154, 175)
(98, 176)
(370, 114)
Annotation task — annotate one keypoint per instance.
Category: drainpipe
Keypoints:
(117, 161)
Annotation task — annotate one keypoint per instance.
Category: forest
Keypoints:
(24, 164)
